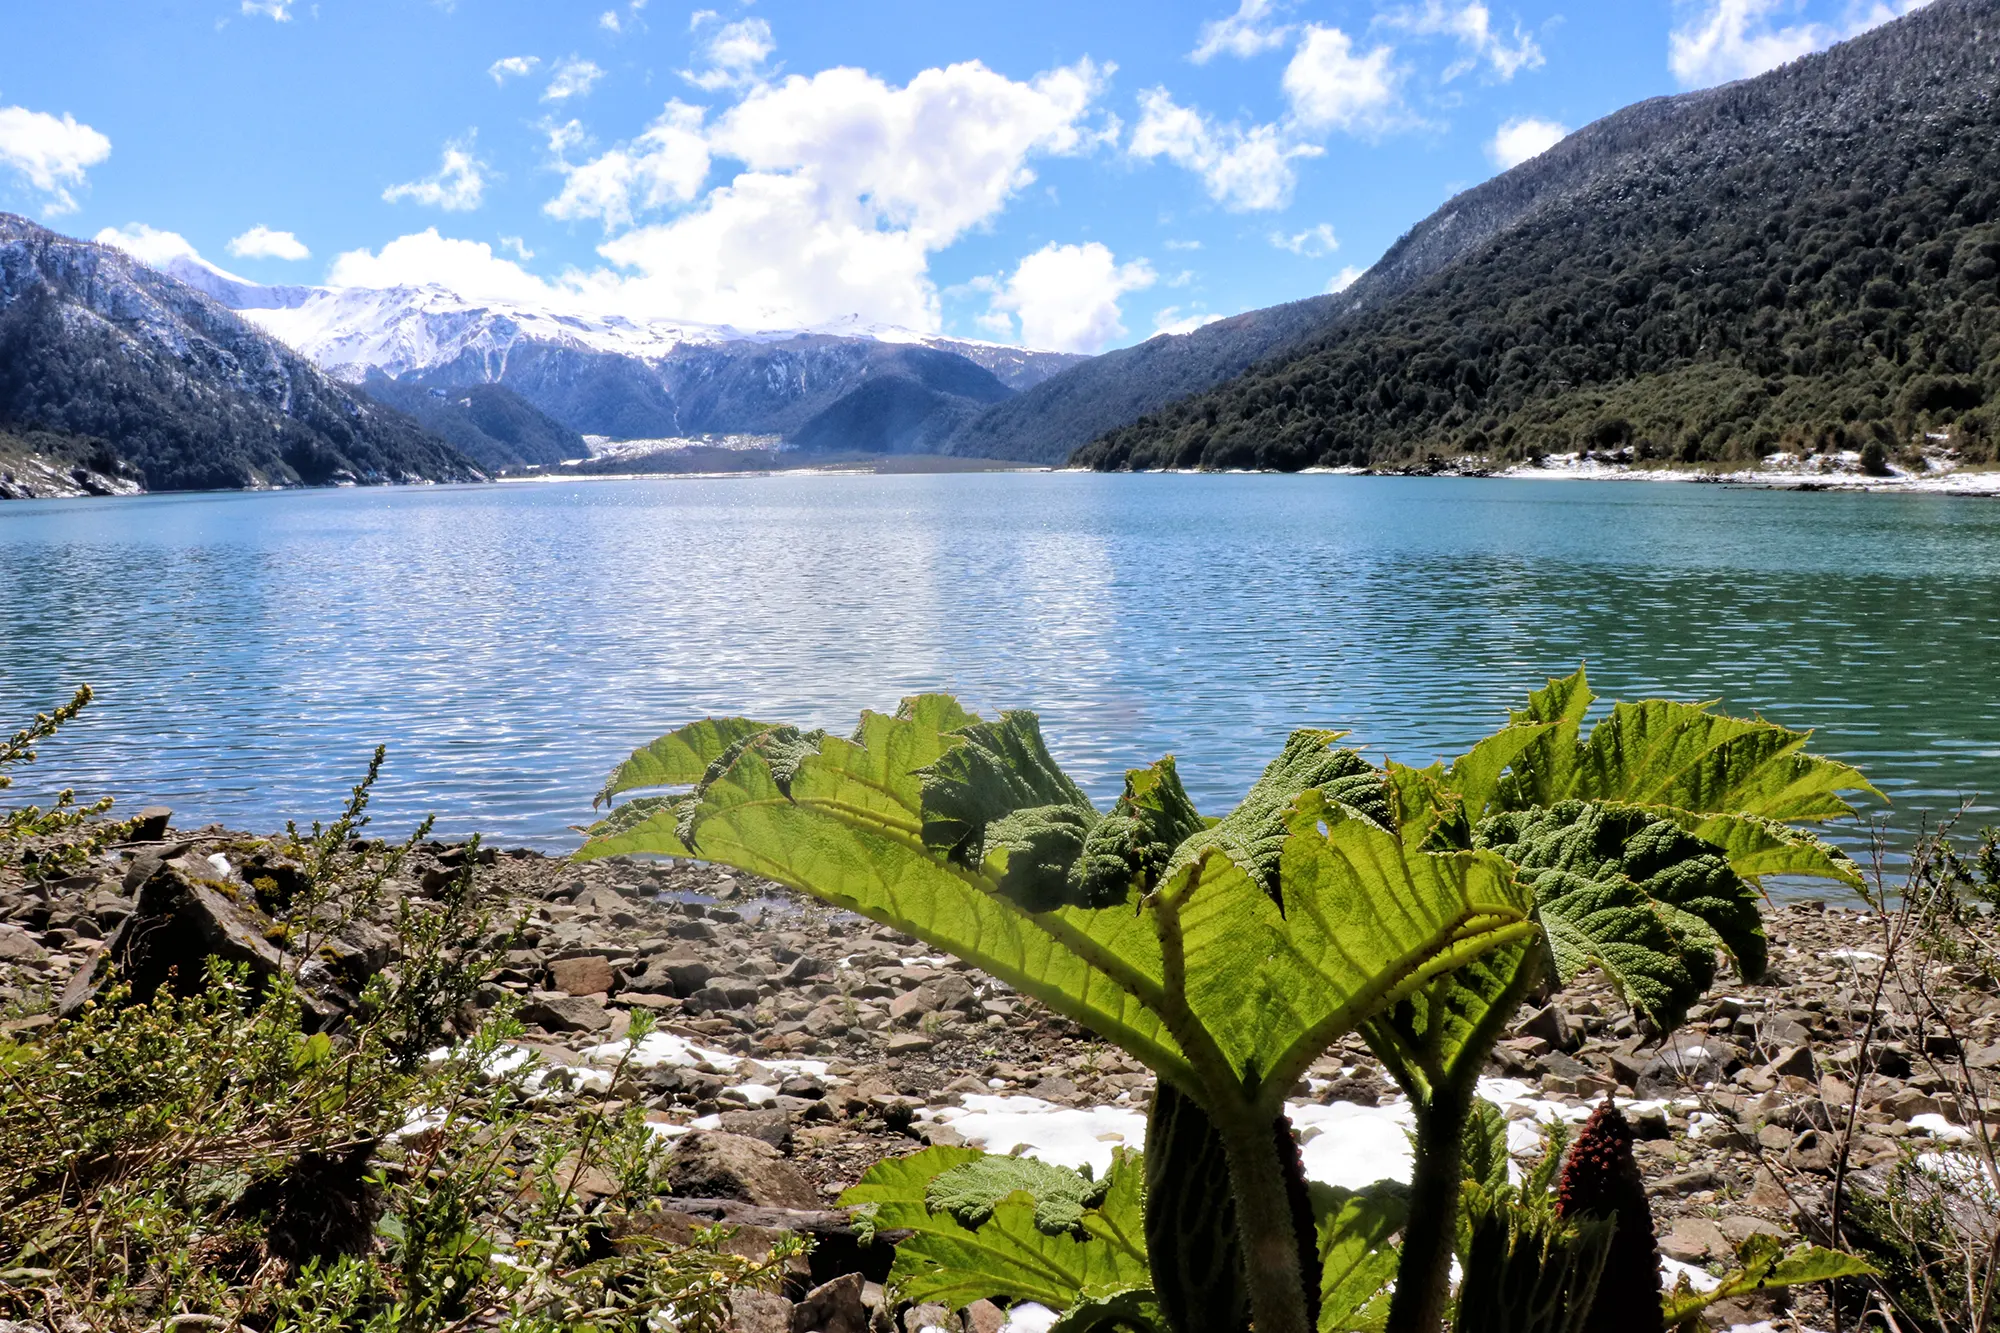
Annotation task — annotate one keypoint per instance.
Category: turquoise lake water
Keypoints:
(511, 643)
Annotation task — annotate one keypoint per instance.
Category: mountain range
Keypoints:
(1807, 260)
(102, 356)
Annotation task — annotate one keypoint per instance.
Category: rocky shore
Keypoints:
(795, 1045)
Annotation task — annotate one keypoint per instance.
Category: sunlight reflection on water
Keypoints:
(511, 643)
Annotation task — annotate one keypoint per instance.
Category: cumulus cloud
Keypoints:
(469, 268)
(1524, 137)
(1472, 25)
(1314, 242)
(458, 185)
(1247, 32)
(281, 10)
(260, 242)
(1243, 170)
(1066, 296)
(513, 67)
(147, 244)
(1333, 87)
(574, 77)
(1722, 40)
(665, 165)
(733, 53)
(1344, 279)
(849, 184)
(1172, 320)
(49, 154)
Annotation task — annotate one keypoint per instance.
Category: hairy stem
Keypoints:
(1264, 1222)
(1423, 1275)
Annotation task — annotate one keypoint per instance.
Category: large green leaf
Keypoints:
(1661, 753)
(1757, 847)
(1364, 924)
(1007, 1256)
(1764, 1266)
(1254, 834)
(1357, 1259)
(1206, 978)
(1620, 888)
(681, 757)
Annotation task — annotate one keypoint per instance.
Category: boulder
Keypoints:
(770, 1126)
(18, 946)
(710, 1164)
(150, 824)
(553, 1011)
(181, 917)
(1696, 1240)
(836, 1307)
(752, 1311)
(930, 1319)
(984, 1317)
(588, 975)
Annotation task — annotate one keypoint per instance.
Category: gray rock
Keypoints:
(930, 1319)
(771, 1126)
(712, 1165)
(18, 946)
(588, 975)
(836, 1307)
(556, 1012)
(752, 1311)
(1550, 1024)
(1796, 1061)
(181, 918)
(150, 824)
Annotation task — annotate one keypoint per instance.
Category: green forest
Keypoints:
(1803, 263)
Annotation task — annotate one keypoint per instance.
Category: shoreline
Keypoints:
(834, 1043)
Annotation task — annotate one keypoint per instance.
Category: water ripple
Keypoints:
(510, 644)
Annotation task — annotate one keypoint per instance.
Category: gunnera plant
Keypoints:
(1417, 906)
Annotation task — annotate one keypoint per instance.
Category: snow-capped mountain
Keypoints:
(170, 388)
(624, 377)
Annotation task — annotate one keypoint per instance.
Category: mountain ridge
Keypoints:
(1797, 262)
(182, 392)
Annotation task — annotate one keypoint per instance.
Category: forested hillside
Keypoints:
(179, 391)
(488, 423)
(1806, 260)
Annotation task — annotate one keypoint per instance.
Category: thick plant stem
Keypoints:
(1264, 1221)
(1423, 1275)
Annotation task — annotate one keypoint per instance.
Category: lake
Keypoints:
(511, 643)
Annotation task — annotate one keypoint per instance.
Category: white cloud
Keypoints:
(1314, 242)
(1331, 87)
(734, 52)
(457, 187)
(1243, 170)
(1722, 40)
(260, 242)
(1066, 296)
(1171, 320)
(281, 10)
(665, 165)
(1524, 137)
(469, 268)
(1472, 25)
(50, 154)
(574, 77)
(147, 244)
(849, 185)
(513, 67)
(518, 246)
(1182, 245)
(1247, 32)
(1345, 278)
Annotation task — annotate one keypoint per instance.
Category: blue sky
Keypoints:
(1074, 175)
